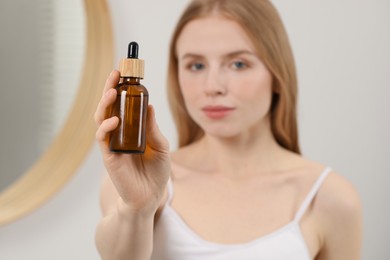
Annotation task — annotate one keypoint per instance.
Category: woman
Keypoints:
(237, 187)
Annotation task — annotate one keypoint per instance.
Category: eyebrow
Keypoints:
(228, 55)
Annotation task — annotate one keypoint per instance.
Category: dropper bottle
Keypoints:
(130, 106)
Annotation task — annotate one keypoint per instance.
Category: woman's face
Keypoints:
(226, 87)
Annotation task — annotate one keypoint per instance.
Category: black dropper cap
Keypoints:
(133, 50)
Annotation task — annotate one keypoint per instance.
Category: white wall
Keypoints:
(343, 59)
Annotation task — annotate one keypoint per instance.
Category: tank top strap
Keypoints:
(312, 193)
(170, 191)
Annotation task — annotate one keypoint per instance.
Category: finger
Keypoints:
(111, 81)
(154, 137)
(104, 104)
(102, 109)
(102, 133)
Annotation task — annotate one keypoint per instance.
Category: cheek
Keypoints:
(188, 87)
(256, 92)
(183, 84)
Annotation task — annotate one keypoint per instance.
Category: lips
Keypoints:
(217, 112)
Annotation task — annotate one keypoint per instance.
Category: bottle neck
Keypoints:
(131, 80)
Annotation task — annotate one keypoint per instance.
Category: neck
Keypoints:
(253, 151)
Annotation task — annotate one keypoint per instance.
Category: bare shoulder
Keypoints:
(339, 213)
(183, 160)
(338, 197)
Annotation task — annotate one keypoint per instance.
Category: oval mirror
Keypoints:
(54, 60)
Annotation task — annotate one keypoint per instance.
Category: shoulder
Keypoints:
(184, 162)
(338, 197)
(338, 212)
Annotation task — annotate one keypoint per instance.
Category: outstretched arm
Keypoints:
(134, 188)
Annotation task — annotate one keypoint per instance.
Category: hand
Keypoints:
(140, 180)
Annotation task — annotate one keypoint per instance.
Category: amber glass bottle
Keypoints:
(130, 106)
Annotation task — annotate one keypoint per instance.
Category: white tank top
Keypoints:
(175, 240)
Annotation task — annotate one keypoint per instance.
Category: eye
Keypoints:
(196, 66)
(239, 65)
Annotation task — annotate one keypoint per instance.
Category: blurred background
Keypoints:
(343, 60)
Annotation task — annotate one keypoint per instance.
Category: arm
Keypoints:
(134, 188)
(122, 233)
(341, 221)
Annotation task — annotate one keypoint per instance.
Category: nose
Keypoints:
(215, 83)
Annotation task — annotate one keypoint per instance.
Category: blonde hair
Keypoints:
(260, 20)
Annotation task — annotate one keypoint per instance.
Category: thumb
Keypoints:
(154, 138)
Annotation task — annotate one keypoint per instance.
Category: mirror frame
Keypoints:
(71, 145)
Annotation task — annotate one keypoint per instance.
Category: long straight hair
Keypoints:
(263, 25)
